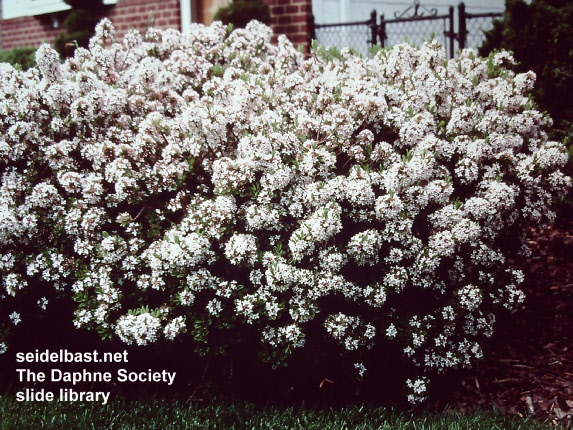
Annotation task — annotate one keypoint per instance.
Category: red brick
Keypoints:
(285, 19)
(299, 38)
(293, 28)
(300, 18)
(277, 10)
(292, 9)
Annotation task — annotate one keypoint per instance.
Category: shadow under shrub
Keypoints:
(355, 219)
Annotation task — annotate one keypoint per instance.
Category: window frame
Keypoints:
(20, 8)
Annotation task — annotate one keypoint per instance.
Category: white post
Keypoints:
(186, 15)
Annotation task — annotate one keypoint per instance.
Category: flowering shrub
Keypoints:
(205, 182)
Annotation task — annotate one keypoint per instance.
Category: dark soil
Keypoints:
(528, 369)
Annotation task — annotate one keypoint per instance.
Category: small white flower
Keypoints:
(214, 307)
(391, 331)
(15, 317)
(43, 303)
(360, 369)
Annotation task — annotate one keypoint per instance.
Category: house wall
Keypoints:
(290, 17)
(27, 31)
(126, 14)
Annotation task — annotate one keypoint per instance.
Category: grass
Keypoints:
(165, 415)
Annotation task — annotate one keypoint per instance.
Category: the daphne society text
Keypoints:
(72, 381)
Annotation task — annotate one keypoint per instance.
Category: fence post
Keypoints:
(373, 28)
(382, 31)
(311, 28)
(451, 34)
(462, 33)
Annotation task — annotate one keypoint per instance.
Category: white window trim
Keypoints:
(19, 8)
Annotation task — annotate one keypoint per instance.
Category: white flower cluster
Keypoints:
(216, 177)
(143, 328)
(285, 335)
(323, 224)
(469, 297)
(351, 331)
(242, 248)
(418, 389)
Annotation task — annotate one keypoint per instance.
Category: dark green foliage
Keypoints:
(540, 35)
(80, 26)
(241, 12)
(23, 57)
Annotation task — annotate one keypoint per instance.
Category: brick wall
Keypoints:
(126, 14)
(27, 31)
(290, 17)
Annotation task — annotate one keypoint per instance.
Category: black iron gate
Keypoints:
(357, 35)
(471, 26)
(415, 28)
(418, 28)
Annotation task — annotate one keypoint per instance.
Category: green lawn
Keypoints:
(164, 415)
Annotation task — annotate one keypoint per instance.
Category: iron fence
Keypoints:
(472, 27)
(358, 35)
(415, 30)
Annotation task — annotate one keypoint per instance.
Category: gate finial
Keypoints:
(415, 6)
